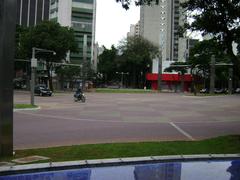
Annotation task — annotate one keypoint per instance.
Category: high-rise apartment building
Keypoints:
(134, 30)
(160, 24)
(32, 12)
(81, 16)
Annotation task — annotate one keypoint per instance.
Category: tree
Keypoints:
(51, 36)
(200, 58)
(218, 18)
(107, 64)
(68, 73)
(137, 55)
(126, 3)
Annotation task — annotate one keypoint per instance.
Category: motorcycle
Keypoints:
(79, 97)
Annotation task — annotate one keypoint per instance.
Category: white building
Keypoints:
(134, 30)
(159, 24)
(81, 16)
(98, 50)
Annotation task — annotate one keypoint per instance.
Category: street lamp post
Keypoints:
(33, 69)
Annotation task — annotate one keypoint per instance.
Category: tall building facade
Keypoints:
(160, 24)
(81, 16)
(134, 30)
(32, 12)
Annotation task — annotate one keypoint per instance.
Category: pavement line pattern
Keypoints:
(68, 118)
(182, 131)
(87, 120)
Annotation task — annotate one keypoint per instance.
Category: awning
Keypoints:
(169, 77)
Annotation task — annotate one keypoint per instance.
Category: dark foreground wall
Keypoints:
(7, 45)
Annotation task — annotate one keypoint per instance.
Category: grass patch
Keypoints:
(24, 106)
(219, 145)
(109, 90)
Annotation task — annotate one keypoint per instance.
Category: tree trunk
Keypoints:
(49, 68)
(234, 59)
(194, 82)
(134, 78)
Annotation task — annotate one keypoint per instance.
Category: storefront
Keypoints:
(170, 81)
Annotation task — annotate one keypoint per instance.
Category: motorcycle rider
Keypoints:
(79, 96)
(78, 93)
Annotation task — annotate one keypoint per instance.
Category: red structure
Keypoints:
(170, 80)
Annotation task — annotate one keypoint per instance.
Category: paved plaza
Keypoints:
(106, 118)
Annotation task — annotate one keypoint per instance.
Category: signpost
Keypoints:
(34, 67)
(7, 46)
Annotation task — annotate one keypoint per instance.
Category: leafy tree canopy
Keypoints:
(107, 63)
(219, 19)
(200, 54)
(126, 3)
(48, 35)
(136, 56)
(200, 58)
(180, 67)
(68, 72)
(138, 50)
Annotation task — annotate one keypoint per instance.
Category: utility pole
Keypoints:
(160, 72)
(33, 69)
(7, 44)
(230, 80)
(212, 74)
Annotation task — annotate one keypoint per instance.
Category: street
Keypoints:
(107, 118)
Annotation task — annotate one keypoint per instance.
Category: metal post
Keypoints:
(122, 80)
(182, 82)
(160, 72)
(33, 65)
(230, 81)
(7, 46)
(212, 75)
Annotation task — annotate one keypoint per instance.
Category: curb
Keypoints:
(17, 169)
(27, 109)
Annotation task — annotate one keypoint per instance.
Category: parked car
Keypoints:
(204, 90)
(19, 83)
(42, 90)
(237, 91)
(220, 91)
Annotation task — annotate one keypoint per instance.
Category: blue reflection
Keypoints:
(83, 174)
(167, 171)
(234, 169)
(210, 170)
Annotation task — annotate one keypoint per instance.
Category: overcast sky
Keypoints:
(113, 22)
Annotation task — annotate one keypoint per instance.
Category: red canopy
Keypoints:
(169, 77)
